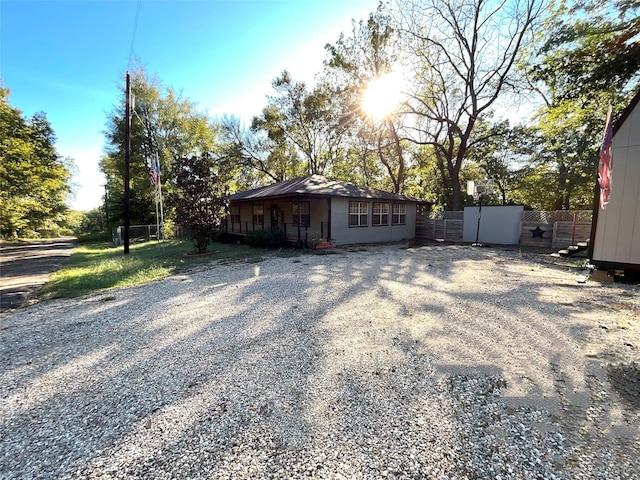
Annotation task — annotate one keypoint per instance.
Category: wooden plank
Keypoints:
(528, 240)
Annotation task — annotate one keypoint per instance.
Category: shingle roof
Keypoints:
(320, 186)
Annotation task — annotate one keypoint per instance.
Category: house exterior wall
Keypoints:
(617, 232)
(343, 234)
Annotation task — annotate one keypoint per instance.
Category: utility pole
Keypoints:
(127, 155)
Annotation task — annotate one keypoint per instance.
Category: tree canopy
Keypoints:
(461, 62)
(163, 125)
(34, 179)
(198, 196)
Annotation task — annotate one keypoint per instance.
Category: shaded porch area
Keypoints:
(300, 218)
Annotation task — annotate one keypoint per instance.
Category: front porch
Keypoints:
(294, 232)
(301, 219)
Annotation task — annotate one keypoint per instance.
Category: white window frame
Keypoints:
(299, 214)
(360, 212)
(399, 214)
(380, 214)
(257, 216)
(234, 213)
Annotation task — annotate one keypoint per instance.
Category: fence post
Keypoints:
(573, 230)
(555, 234)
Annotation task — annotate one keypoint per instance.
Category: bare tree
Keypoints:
(461, 54)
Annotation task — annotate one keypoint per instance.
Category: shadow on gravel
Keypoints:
(625, 378)
(334, 365)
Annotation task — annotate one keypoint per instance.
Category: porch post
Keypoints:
(329, 221)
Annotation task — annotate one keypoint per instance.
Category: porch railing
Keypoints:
(293, 231)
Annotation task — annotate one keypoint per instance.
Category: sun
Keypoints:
(382, 95)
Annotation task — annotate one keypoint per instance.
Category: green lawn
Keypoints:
(97, 266)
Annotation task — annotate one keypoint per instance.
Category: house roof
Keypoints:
(626, 112)
(318, 185)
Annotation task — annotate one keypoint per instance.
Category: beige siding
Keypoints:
(617, 236)
(342, 234)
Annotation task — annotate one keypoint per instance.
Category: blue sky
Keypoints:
(68, 59)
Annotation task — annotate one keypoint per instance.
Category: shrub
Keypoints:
(273, 238)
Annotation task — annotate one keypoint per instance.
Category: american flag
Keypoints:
(154, 173)
(605, 166)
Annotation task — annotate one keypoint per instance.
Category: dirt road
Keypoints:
(26, 266)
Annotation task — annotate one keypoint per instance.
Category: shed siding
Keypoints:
(617, 236)
(342, 234)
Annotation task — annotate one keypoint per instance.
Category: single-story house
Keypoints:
(318, 207)
(615, 234)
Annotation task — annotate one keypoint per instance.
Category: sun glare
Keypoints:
(382, 95)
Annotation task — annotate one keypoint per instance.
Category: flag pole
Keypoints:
(157, 216)
(159, 192)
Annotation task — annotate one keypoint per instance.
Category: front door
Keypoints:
(275, 219)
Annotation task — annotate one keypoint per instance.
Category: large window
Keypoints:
(358, 214)
(301, 213)
(234, 213)
(380, 214)
(258, 214)
(399, 214)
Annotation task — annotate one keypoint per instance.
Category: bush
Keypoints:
(274, 238)
(221, 236)
(94, 237)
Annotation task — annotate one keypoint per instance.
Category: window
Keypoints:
(399, 214)
(258, 215)
(234, 213)
(301, 213)
(358, 214)
(380, 214)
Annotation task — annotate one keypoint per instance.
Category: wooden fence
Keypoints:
(549, 229)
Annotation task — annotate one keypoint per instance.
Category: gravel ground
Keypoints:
(441, 362)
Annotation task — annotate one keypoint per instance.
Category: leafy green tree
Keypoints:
(163, 126)
(461, 55)
(588, 46)
(300, 126)
(198, 196)
(586, 58)
(498, 152)
(34, 179)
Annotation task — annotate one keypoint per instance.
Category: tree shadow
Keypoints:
(241, 372)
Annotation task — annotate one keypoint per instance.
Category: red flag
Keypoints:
(606, 162)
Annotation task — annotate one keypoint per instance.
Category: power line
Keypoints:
(133, 36)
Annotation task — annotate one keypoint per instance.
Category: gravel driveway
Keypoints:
(434, 362)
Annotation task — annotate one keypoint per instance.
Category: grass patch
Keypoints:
(96, 266)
